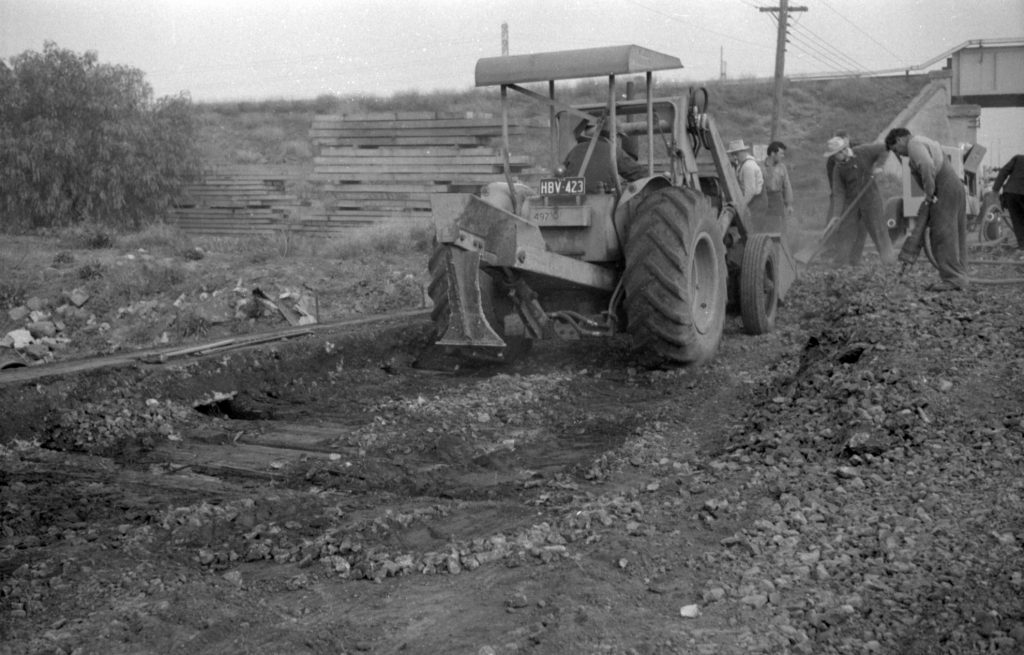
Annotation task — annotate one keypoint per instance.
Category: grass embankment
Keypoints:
(277, 131)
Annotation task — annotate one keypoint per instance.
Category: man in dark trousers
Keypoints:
(1010, 180)
(854, 188)
(945, 204)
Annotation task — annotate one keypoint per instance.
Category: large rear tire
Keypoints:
(675, 278)
(759, 284)
(495, 305)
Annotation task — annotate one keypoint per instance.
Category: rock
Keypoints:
(755, 600)
(40, 329)
(78, 297)
(713, 594)
(35, 304)
(847, 472)
(18, 314)
(516, 601)
(18, 339)
(37, 350)
(689, 611)
(234, 577)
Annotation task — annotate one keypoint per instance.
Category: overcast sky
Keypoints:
(257, 49)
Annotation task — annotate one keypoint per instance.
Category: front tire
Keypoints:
(759, 284)
(675, 278)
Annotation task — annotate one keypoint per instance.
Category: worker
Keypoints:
(777, 188)
(944, 206)
(1010, 180)
(830, 162)
(748, 173)
(600, 173)
(855, 194)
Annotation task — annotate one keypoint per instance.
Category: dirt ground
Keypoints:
(848, 484)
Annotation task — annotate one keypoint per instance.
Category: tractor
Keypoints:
(659, 258)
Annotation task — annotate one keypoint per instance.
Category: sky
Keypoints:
(269, 49)
(259, 49)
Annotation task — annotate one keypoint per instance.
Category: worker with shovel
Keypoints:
(856, 198)
(943, 212)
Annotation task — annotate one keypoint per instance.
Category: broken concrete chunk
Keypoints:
(37, 350)
(78, 297)
(18, 314)
(39, 329)
(18, 339)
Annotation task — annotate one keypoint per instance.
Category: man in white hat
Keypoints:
(748, 172)
(856, 194)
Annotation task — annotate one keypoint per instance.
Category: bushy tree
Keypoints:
(82, 141)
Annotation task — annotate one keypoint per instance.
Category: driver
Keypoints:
(600, 174)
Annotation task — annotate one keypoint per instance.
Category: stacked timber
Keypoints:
(232, 200)
(368, 167)
(383, 164)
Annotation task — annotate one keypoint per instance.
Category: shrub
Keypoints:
(82, 141)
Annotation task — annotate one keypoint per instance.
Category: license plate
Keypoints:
(562, 186)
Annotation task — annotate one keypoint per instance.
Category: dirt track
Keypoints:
(327, 495)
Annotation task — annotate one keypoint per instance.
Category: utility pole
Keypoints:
(780, 58)
(504, 39)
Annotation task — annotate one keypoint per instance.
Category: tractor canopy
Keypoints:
(571, 64)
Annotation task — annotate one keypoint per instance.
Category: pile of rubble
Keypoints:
(44, 328)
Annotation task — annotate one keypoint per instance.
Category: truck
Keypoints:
(985, 215)
(660, 258)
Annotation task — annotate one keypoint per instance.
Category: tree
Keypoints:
(82, 141)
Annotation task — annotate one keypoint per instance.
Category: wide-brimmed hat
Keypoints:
(736, 146)
(835, 145)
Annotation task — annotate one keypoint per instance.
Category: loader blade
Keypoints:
(467, 325)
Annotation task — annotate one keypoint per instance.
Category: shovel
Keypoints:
(806, 255)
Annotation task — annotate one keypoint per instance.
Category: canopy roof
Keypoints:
(571, 64)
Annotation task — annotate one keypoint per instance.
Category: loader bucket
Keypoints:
(467, 325)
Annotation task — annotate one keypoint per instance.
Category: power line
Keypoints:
(690, 23)
(821, 58)
(856, 27)
(820, 45)
(805, 32)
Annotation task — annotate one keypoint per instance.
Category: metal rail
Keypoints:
(160, 356)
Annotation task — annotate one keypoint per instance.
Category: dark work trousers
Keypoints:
(775, 211)
(948, 227)
(1014, 203)
(864, 220)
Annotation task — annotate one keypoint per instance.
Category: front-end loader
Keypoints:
(659, 258)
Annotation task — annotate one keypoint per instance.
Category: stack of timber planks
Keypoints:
(236, 200)
(368, 168)
(383, 164)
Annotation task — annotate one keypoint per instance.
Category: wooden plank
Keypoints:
(426, 187)
(400, 115)
(452, 124)
(429, 171)
(388, 131)
(399, 151)
(348, 196)
(405, 140)
(420, 162)
(440, 178)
